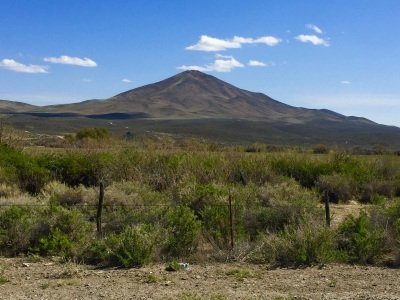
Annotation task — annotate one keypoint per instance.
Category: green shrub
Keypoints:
(134, 246)
(376, 187)
(78, 168)
(304, 171)
(131, 248)
(339, 188)
(9, 191)
(288, 202)
(26, 170)
(69, 234)
(182, 230)
(309, 242)
(14, 230)
(320, 149)
(362, 243)
(95, 133)
(216, 224)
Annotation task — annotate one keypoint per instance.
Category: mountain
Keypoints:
(192, 95)
(204, 106)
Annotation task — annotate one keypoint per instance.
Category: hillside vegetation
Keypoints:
(164, 202)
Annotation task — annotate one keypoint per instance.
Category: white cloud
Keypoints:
(87, 80)
(207, 43)
(126, 80)
(67, 60)
(12, 65)
(219, 65)
(255, 63)
(345, 82)
(196, 68)
(312, 39)
(223, 56)
(268, 40)
(313, 27)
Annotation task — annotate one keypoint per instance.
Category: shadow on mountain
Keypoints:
(119, 116)
(49, 115)
(110, 116)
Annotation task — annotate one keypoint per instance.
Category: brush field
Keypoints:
(167, 202)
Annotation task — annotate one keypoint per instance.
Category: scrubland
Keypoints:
(166, 203)
(163, 202)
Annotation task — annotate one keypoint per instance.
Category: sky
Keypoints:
(338, 55)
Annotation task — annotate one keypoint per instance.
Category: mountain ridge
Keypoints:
(206, 107)
(191, 95)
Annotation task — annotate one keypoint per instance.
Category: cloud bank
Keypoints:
(209, 44)
(12, 65)
(126, 80)
(67, 60)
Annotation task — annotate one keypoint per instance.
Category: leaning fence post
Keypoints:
(327, 209)
(230, 217)
(99, 211)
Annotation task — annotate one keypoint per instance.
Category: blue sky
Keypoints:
(339, 55)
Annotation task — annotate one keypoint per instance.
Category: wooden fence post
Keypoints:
(327, 209)
(99, 211)
(230, 218)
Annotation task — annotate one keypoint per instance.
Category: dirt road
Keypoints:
(52, 280)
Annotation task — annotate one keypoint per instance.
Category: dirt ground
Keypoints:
(52, 280)
(23, 278)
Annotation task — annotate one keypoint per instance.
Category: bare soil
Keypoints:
(27, 278)
(48, 279)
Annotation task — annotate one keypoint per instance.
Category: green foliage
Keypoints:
(184, 197)
(78, 168)
(30, 176)
(241, 274)
(282, 204)
(304, 244)
(68, 236)
(3, 279)
(216, 224)
(320, 149)
(305, 171)
(134, 246)
(131, 248)
(339, 187)
(57, 243)
(362, 243)
(182, 230)
(19, 227)
(95, 133)
(379, 149)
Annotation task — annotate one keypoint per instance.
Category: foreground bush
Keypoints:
(339, 187)
(361, 243)
(69, 234)
(309, 242)
(164, 204)
(131, 248)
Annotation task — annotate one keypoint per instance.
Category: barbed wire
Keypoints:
(109, 205)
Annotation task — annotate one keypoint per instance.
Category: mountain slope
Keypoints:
(193, 95)
(193, 104)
